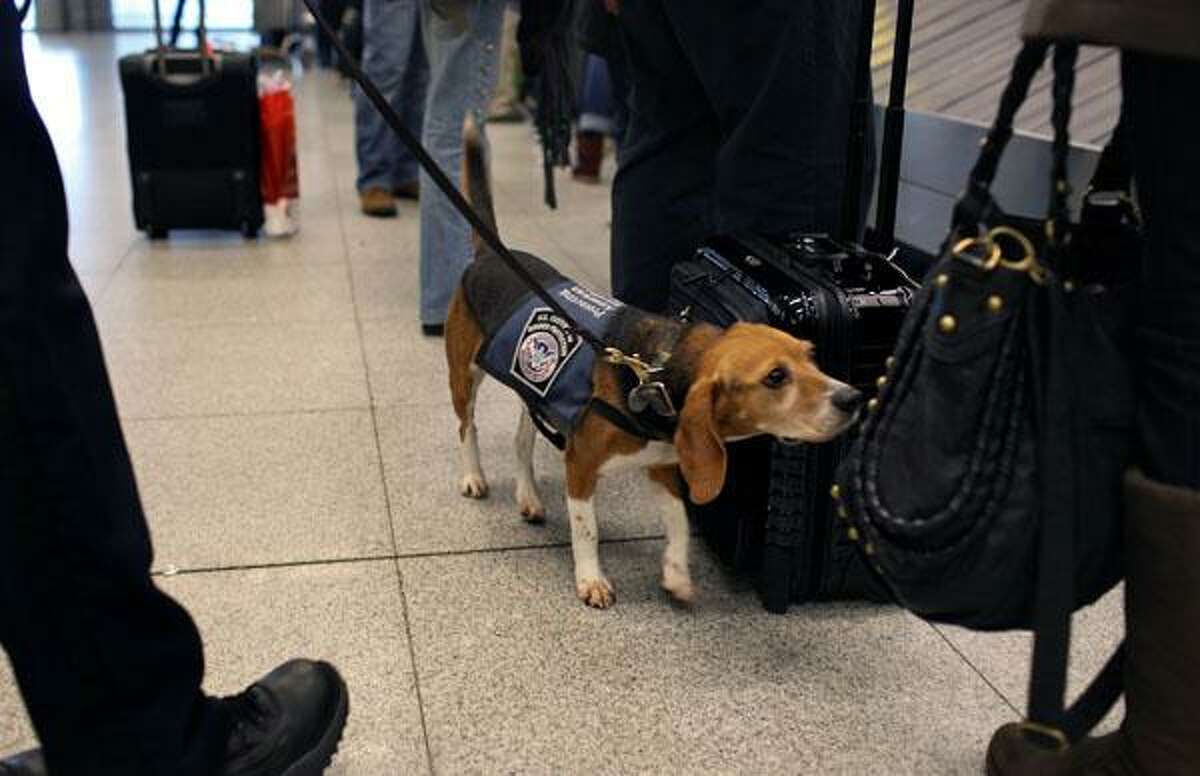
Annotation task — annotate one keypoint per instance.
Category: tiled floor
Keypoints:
(294, 445)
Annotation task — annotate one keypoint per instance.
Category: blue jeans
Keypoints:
(394, 58)
(464, 51)
(597, 110)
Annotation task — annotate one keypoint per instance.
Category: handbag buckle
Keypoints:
(987, 253)
(1027, 263)
(979, 252)
(1044, 736)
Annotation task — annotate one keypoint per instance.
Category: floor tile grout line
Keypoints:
(132, 327)
(976, 669)
(360, 408)
(416, 673)
(380, 405)
(362, 348)
(396, 556)
(109, 278)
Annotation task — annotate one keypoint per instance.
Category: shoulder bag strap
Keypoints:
(1054, 601)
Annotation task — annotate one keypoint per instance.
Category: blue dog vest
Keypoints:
(529, 347)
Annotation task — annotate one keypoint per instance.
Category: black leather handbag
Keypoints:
(984, 487)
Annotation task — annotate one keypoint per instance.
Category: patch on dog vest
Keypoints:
(545, 346)
(537, 354)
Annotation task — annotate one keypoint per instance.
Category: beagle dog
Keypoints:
(728, 384)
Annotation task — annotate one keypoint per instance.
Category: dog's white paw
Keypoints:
(473, 486)
(678, 584)
(596, 593)
(531, 506)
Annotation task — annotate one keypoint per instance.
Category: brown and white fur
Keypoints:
(744, 381)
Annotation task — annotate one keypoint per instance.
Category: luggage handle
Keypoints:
(893, 129)
(206, 57)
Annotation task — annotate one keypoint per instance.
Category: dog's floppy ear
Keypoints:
(701, 450)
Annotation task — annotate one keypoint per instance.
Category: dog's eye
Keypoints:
(776, 378)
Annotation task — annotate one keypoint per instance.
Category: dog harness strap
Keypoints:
(553, 435)
(628, 422)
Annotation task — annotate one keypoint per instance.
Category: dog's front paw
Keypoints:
(473, 486)
(680, 587)
(596, 593)
(531, 506)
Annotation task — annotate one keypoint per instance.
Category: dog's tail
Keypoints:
(475, 179)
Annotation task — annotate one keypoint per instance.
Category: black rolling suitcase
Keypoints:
(192, 126)
(775, 518)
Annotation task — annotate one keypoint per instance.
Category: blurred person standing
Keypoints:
(273, 19)
(394, 59)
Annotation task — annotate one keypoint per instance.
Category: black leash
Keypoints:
(451, 191)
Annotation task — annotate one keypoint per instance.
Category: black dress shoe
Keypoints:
(433, 329)
(288, 723)
(24, 764)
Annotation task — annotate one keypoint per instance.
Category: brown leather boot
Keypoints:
(1161, 732)
(589, 153)
(377, 202)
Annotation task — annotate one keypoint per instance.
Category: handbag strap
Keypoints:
(1113, 171)
(1059, 216)
(1055, 593)
(976, 205)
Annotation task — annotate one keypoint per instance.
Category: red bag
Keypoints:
(279, 176)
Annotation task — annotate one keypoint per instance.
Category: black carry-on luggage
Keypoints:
(775, 517)
(192, 126)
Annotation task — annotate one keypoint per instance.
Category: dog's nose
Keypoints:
(847, 399)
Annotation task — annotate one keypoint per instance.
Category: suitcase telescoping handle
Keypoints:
(856, 160)
(201, 37)
(893, 129)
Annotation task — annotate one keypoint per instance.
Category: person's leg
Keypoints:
(595, 97)
(595, 119)
(412, 92)
(390, 34)
(780, 77)
(332, 11)
(462, 47)
(108, 665)
(662, 192)
(505, 105)
(1166, 160)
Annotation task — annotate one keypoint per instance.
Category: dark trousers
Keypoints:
(108, 665)
(1164, 122)
(332, 10)
(739, 120)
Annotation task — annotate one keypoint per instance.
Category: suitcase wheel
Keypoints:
(156, 233)
(249, 231)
